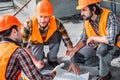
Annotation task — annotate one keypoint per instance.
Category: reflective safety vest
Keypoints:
(6, 50)
(102, 26)
(36, 35)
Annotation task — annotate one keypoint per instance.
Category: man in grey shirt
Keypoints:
(97, 40)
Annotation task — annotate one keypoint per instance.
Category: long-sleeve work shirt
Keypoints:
(112, 29)
(27, 32)
(20, 60)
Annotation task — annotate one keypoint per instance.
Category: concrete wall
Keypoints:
(4, 0)
(68, 7)
(64, 8)
(118, 7)
(29, 8)
(114, 7)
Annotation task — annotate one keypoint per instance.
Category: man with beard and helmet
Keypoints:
(97, 40)
(13, 58)
(44, 29)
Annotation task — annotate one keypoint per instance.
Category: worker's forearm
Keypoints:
(100, 39)
(79, 46)
(30, 54)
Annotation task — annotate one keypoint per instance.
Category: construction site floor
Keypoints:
(74, 31)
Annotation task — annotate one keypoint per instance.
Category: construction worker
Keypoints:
(13, 58)
(97, 40)
(45, 29)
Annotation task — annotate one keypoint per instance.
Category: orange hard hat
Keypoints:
(84, 3)
(7, 21)
(44, 8)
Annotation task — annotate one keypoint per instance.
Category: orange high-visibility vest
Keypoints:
(36, 35)
(102, 26)
(6, 50)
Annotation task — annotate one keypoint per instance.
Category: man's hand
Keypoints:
(39, 64)
(75, 68)
(90, 41)
(70, 52)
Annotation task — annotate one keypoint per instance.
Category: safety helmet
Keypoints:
(7, 21)
(44, 8)
(84, 3)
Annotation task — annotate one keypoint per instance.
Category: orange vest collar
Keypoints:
(102, 26)
(36, 36)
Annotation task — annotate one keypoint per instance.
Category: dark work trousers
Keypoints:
(86, 56)
(101, 56)
(53, 43)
